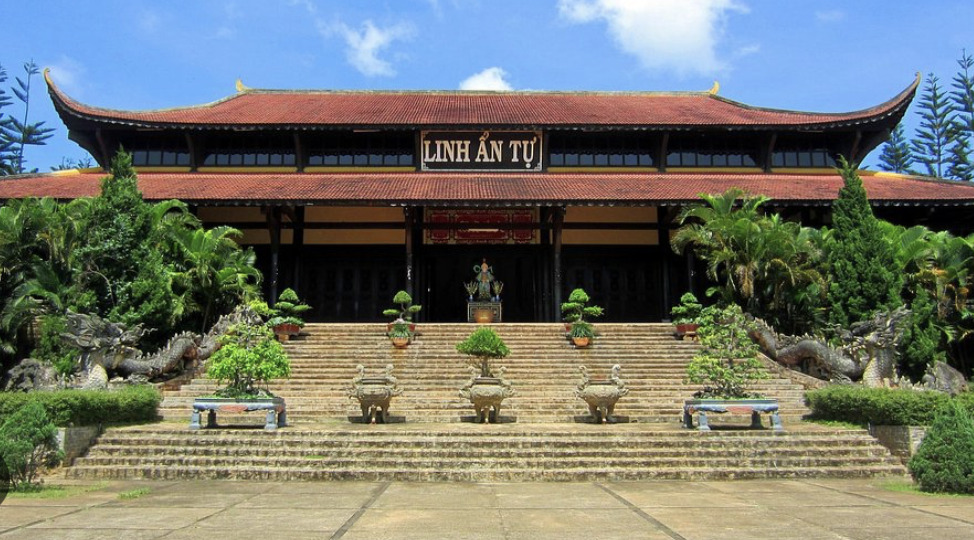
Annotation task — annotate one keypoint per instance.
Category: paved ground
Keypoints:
(785, 509)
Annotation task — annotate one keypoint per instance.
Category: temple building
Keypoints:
(350, 196)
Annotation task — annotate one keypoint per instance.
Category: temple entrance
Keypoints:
(445, 269)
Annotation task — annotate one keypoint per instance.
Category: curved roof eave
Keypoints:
(70, 108)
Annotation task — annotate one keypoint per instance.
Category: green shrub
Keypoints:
(52, 349)
(248, 357)
(88, 407)
(945, 460)
(28, 441)
(879, 406)
(727, 362)
(483, 345)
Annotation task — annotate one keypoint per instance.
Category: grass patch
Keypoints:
(134, 493)
(53, 491)
(841, 424)
(906, 486)
(314, 456)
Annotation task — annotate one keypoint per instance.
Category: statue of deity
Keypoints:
(485, 275)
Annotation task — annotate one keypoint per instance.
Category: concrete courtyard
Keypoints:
(779, 509)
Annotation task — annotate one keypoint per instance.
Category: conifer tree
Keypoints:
(862, 262)
(963, 94)
(962, 97)
(934, 136)
(6, 155)
(896, 156)
(16, 134)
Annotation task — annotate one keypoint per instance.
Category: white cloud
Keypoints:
(364, 46)
(492, 78)
(68, 75)
(676, 35)
(833, 15)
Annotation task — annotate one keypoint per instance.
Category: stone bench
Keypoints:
(276, 410)
(754, 407)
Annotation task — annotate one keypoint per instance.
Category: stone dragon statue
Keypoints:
(866, 352)
(110, 348)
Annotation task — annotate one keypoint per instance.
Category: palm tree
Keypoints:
(215, 269)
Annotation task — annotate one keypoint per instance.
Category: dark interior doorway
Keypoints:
(446, 268)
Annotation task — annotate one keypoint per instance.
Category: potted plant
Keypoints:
(582, 333)
(400, 334)
(575, 311)
(404, 312)
(248, 359)
(286, 321)
(727, 365)
(487, 388)
(685, 316)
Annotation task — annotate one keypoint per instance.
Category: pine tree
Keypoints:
(16, 134)
(934, 136)
(6, 155)
(962, 97)
(959, 166)
(864, 277)
(963, 94)
(896, 156)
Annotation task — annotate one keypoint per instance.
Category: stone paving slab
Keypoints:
(778, 509)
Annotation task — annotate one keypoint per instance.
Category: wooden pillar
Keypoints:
(558, 222)
(274, 228)
(664, 217)
(409, 215)
(297, 243)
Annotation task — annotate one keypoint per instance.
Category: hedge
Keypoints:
(88, 407)
(880, 406)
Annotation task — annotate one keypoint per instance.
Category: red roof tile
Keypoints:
(452, 189)
(423, 109)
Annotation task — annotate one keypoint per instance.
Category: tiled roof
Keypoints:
(455, 189)
(428, 109)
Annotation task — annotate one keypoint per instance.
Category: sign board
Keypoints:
(480, 151)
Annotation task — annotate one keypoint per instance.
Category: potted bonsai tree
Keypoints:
(575, 311)
(248, 359)
(404, 312)
(400, 335)
(685, 316)
(487, 388)
(286, 320)
(726, 365)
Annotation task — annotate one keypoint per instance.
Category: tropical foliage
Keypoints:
(803, 279)
(118, 257)
(766, 264)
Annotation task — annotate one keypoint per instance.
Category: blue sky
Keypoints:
(817, 55)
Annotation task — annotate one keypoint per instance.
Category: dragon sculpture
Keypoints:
(867, 351)
(109, 348)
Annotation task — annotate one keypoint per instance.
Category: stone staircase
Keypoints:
(543, 436)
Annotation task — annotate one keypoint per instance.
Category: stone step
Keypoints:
(548, 440)
(532, 474)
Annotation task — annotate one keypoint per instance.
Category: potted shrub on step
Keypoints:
(726, 365)
(404, 312)
(248, 359)
(400, 335)
(575, 312)
(286, 321)
(487, 387)
(686, 315)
